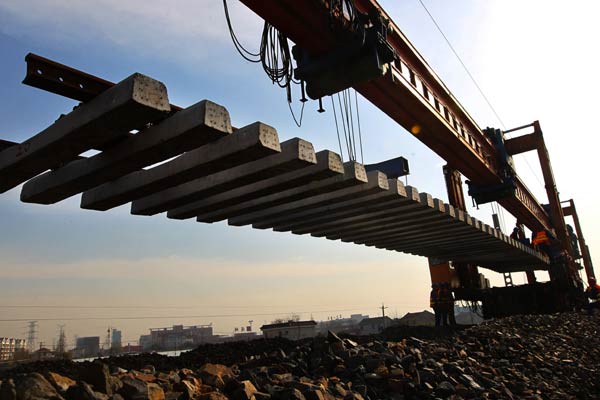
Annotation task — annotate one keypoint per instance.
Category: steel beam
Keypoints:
(522, 144)
(247, 144)
(411, 94)
(128, 105)
(186, 130)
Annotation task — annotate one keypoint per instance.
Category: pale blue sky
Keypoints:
(535, 60)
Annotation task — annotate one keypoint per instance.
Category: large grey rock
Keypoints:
(98, 375)
(7, 390)
(36, 387)
(83, 391)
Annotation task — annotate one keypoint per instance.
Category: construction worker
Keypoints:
(541, 238)
(448, 302)
(593, 294)
(574, 242)
(519, 235)
(541, 242)
(434, 302)
(515, 233)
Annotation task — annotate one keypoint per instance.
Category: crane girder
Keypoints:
(413, 95)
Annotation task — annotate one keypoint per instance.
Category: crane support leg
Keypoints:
(464, 276)
(570, 210)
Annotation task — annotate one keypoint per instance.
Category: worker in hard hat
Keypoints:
(434, 302)
(593, 294)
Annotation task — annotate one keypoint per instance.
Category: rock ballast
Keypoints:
(521, 357)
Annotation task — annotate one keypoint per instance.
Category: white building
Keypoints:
(8, 347)
(292, 330)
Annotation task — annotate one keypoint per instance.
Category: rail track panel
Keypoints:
(192, 163)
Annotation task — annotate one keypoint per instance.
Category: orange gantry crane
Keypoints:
(355, 43)
(338, 44)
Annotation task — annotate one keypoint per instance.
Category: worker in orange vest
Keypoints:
(541, 242)
(541, 238)
(593, 294)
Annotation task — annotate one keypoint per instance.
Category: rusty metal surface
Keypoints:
(411, 94)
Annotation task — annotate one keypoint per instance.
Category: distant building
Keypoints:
(179, 337)
(341, 325)
(371, 326)
(128, 348)
(245, 336)
(10, 346)
(146, 342)
(87, 347)
(42, 354)
(115, 339)
(292, 330)
(423, 318)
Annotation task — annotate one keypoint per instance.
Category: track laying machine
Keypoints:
(338, 44)
(354, 43)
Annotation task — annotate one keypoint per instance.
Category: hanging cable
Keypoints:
(349, 97)
(275, 57)
(347, 8)
(350, 125)
(362, 160)
(342, 117)
(535, 175)
(298, 122)
(247, 55)
(336, 127)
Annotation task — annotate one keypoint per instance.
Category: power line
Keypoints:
(171, 316)
(61, 306)
(477, 86)
(463, 64)
(500, 211)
